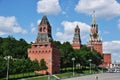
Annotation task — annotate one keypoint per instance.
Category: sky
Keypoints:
(20, 19)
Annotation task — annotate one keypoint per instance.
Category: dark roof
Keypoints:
(44, 21)
(77, 27)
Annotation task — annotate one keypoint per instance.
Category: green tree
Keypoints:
(3, 66)
(43, 65)
(65, 50)
(13, 47)
(35, 65)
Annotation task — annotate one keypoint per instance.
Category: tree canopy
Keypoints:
(15, 48)
(82, 55)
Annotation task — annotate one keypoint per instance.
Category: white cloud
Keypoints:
(48, 6)
(69, 27)
(38, 22)
(112, 47)
(103, 8)
(9, 25)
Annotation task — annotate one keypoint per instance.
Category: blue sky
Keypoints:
(19, 18)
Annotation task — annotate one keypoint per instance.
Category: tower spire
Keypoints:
(93, 18)
(94, 42)
(44, 21)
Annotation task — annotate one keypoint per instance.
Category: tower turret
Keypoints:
(44, 31)
(76, 39)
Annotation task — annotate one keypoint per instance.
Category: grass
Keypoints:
(39, 78)
(22, 75)
(29, 76)
(63, 75)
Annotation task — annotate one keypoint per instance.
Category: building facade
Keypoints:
(115, 67)
(44, 48)
(76, 39)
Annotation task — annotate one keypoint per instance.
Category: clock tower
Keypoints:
(95, 42)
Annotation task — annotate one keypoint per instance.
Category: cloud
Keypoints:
(69, 27)
(9, 25)
(48, 6)
(104, 8)
(112, 47)
(38, 22)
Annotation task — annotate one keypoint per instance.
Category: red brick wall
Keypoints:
(98, 48)
(107, 60)
(76, 46)
(49, 54)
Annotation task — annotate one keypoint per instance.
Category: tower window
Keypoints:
(44, 29)
(40, 29)
(75, 30)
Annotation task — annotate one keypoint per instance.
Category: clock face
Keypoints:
(95, 35)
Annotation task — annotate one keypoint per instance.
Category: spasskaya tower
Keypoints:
(94, 41)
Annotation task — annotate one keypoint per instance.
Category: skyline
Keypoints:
(20, 19)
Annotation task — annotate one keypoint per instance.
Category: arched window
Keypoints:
(40, 29)
(44, 29)
(75, 30)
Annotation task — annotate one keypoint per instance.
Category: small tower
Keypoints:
(95, 42)
(44, 48)
(44, 32)
(76, 39)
